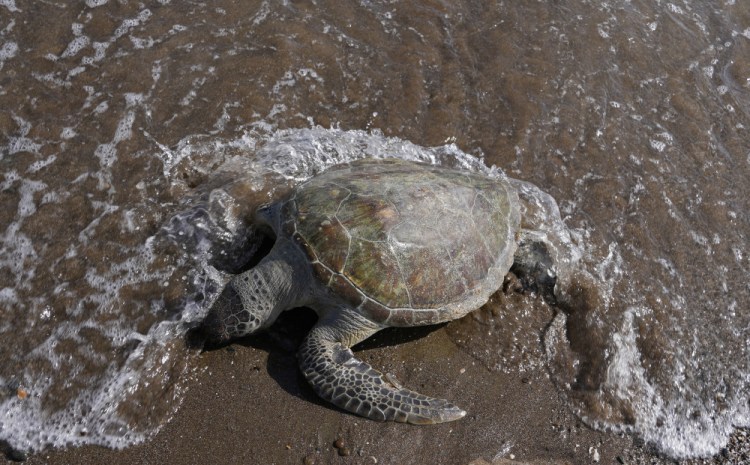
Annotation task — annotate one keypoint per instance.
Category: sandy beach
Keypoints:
(248, 404)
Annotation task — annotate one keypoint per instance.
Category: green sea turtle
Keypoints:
(368, 245)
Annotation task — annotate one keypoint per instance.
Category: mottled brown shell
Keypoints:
(404, 242)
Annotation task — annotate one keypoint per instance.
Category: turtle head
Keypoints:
(253, 300)
(230, 318)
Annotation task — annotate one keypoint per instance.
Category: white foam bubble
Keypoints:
(262, 13)
(102, 107)
(675, 9)
(139, 43)
(10, 5)
(40, 164)
(601, 29)
(657, 145)
(287, 80)
(8, 295)
(19, 254)
(128, 24)
(107, 154)
(100, 51)
(309, 73)
(8, 51)
(75, 46)
(21, 143)
(26, 205)
(67, 133)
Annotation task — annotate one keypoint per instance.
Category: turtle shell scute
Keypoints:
(415, 241)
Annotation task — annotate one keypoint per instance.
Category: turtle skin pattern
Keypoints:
(338, 376)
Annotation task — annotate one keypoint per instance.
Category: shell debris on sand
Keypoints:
(339, 444)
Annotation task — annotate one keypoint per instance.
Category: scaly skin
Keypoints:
(339, 377)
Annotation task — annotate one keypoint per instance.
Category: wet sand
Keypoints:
(247, 403)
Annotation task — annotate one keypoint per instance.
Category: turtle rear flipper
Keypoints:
(339, 377)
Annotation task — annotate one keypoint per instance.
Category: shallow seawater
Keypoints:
(136, 138)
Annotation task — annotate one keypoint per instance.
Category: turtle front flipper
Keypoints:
(339, 377)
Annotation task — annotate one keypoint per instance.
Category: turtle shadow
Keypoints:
(284, 337)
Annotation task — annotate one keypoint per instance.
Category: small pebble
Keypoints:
(338, 443)
(345, 452)
(309, 460)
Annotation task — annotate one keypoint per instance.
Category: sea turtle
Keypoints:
(368, 245)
